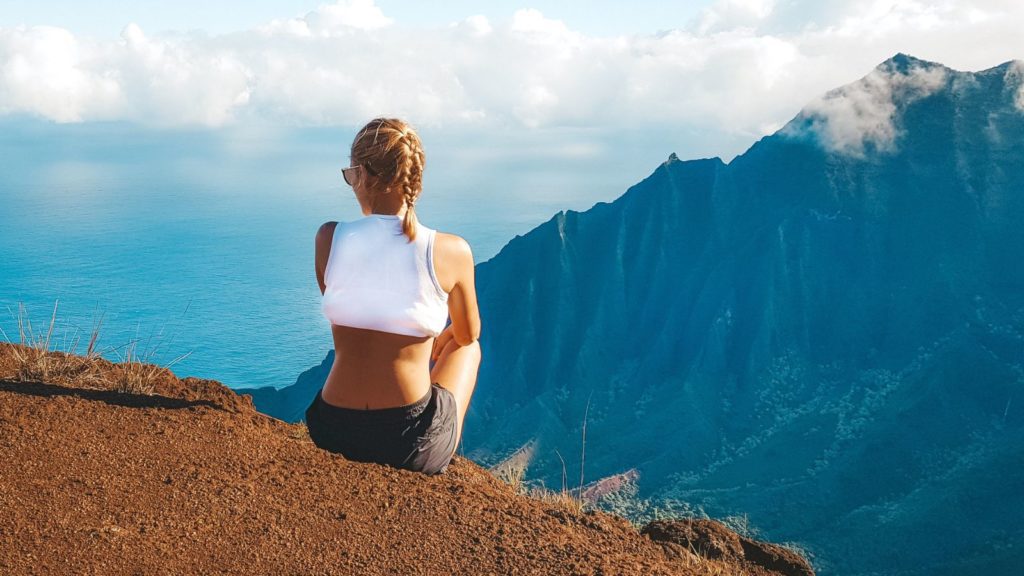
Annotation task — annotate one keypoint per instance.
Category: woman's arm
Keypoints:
(462, 304)
(324, 236)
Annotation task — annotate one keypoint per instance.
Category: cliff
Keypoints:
(832, 321)
(124, 468)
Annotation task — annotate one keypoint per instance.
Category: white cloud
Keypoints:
(728, 14)
(50, 72)
(477, 25)
(332, 20)
(745, 67)
(1015, 80)
(178, 81)
(863, 113)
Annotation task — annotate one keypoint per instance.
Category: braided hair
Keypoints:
(392, 151)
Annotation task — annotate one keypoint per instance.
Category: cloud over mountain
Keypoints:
(848, 119)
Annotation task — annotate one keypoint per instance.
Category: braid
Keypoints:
(410, 178)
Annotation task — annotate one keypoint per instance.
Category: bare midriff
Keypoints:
(374, 369)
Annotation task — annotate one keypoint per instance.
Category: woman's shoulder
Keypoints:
(326, 231)
(453, 260)
(452, 246)
(325, 236)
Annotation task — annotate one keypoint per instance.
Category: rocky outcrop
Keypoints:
(714, 541)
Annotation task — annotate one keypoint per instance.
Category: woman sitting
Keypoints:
(402, 380)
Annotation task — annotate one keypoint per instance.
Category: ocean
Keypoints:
(199, 243)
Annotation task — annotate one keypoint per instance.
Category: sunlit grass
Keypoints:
(41, 358)
(51, 355)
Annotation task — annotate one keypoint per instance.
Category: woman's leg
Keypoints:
(455, 370)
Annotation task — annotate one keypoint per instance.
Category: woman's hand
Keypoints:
(440, 341)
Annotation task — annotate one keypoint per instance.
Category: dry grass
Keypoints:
(38, 359)
(299, 431)
(137, 374)
(135, 377)
(709, 567)
(515, 479)
(512, 470)
(44, 357)
(563, 499)
(571, 500)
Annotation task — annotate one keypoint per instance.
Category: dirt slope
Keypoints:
(191, 479)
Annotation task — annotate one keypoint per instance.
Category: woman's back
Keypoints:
(381, 299)
(375, 278)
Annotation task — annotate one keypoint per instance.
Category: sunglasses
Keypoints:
(346, 173)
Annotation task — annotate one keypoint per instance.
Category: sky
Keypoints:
(710, 77)
(107, 18)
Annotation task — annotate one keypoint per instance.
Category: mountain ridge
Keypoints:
(785, 307)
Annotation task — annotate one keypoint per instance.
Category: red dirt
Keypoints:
(192, 479)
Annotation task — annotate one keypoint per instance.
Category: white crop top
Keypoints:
(379, 280)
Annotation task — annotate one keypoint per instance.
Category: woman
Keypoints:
(402, 380)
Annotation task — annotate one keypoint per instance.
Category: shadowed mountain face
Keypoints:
(831, 323)
(824, 334)
(290, 403)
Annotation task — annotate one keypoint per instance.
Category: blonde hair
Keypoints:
(391, 150)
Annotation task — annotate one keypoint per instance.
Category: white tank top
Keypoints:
(379, 280)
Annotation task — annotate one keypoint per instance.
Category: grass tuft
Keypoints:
(38, 359)
(566, 500)
(299, 431)
(137, 374)
(45, 356)
(512, 470)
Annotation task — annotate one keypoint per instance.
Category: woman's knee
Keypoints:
(473, 349)
(470, 351)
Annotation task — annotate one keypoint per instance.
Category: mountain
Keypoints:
(833, 322)
(124, 469)
(290, 402)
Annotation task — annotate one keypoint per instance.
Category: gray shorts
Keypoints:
(418, 436)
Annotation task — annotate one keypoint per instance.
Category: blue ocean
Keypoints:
(200, 243)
